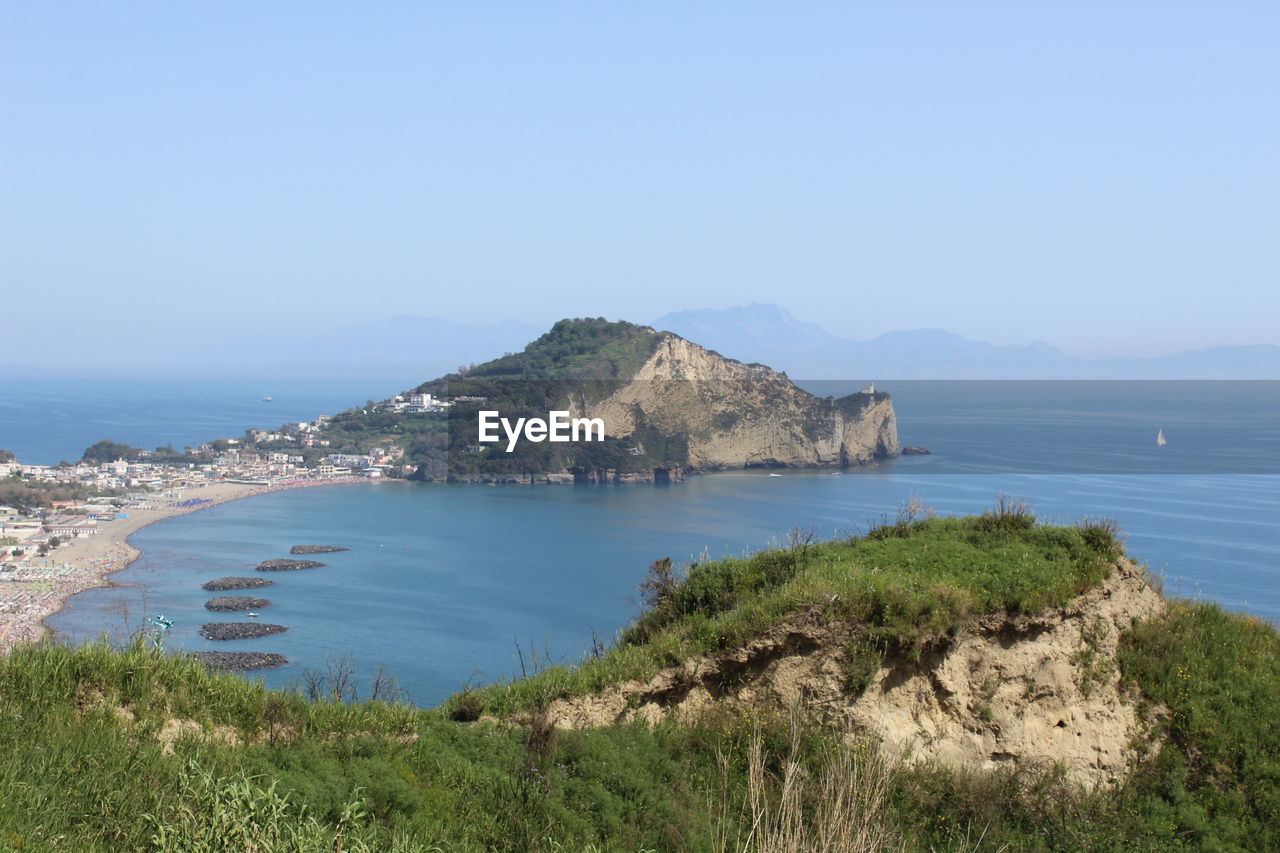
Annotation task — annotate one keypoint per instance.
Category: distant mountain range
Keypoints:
(400, 350)
(769, 334)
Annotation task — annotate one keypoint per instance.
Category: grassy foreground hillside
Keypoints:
(136, 750)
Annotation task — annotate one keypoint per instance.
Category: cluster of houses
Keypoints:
(379, 462)
(415, 404)
(228, 460)
(25, 535)
(302, 433)
(421, 404)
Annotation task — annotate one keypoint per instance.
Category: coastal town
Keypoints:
(53, 546)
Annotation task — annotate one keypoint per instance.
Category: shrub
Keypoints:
(863, 663)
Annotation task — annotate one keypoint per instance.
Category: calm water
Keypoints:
(45, 421)
(442, 582)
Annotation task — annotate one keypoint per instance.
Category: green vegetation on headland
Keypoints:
(584, 349)
(113, 451)
(912, 583)
(575, 364)
(695, 410)
(136, 750)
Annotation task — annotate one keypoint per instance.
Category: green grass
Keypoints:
(910, 583)
(1210, 680)
(1217, 674)
(381, 777)
(271, 771)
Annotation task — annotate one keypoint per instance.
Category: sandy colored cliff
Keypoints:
(740, 415)
(1031, 689)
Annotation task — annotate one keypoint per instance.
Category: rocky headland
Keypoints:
(738, 415)
(668, 406)
(1004, 689)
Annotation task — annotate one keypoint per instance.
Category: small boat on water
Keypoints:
(775, 475)
(252, 615)
(1160, 442)
(266, 398)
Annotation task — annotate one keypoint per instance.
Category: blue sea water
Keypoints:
(442, 582)
(46, 420)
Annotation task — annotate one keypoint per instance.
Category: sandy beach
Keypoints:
(84, 563)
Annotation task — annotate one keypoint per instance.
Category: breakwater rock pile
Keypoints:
(316, 549)
(235, 602)
(287, 565)
(240, 661)
(224, 584)
(240, 630)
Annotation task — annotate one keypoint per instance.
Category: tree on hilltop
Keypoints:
(108, 451)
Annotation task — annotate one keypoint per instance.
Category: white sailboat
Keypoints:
(1160, 442)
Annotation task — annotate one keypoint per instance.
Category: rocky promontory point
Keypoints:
(316, 549)
(224, 584)
(282, 565)
(240, 630)
(235, 602)
(239, 661)
(662, 406)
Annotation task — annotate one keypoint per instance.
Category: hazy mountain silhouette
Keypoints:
(769, 334)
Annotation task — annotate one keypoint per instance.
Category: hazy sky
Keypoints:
(1100, 176)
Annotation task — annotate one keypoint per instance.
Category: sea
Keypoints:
(446, 586)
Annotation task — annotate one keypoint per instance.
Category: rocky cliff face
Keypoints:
(743, 415)
(668, 406)
(1041, 688)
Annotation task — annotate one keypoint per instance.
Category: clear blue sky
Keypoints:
(1103, 176)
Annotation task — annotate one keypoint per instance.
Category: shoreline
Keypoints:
(87, 563)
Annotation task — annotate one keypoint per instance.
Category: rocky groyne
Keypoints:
(240, 630)
(240, 661)
(317, 549)
(235, 602)
(282, 565)
(225, 584)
